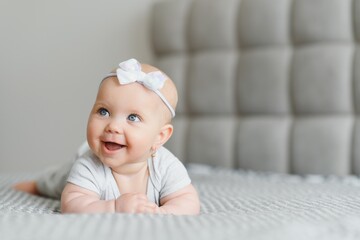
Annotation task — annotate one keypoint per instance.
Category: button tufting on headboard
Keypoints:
(270, 85)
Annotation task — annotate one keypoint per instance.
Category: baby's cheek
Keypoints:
(92, 136)
(142, 138)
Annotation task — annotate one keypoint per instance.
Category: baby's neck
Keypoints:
(131, 170)
(133, 179)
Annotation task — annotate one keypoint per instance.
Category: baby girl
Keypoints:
(126, 168)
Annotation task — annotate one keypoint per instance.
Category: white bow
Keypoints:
(130, 71)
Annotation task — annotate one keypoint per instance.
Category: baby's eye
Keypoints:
(134, 118)
(103, 112)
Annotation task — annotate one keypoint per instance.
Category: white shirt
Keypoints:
(166, 175)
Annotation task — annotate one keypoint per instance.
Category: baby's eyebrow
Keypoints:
(101, 103)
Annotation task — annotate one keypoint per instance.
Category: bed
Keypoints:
(267, 125)
(236, 204)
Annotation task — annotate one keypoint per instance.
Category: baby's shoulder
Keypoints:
(170, 173)
(166, 162)
(164, 153)
(165, 157)
(88, 162)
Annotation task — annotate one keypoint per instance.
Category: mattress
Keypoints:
(235, 204)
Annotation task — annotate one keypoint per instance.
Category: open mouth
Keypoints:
(111, 146)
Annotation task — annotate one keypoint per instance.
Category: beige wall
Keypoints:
(53, 54)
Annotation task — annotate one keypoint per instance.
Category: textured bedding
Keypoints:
(235, 205)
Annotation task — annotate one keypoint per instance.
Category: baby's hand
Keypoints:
(134, 203)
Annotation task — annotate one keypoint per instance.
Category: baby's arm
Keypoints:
(183, 202)
(76, 199)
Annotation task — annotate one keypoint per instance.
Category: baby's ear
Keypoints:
(164, 135)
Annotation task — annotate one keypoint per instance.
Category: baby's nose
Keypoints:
(115, 127)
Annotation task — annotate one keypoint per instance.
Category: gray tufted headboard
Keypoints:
(270, 85)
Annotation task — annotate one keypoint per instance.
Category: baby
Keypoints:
(126, 168)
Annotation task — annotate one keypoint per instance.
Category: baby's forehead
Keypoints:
(148, 68)
(110, 87)
(132, 96)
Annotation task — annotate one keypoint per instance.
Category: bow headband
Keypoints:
(130, 71)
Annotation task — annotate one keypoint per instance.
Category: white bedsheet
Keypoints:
(234, 205)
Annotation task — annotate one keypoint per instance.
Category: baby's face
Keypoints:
(124, 123)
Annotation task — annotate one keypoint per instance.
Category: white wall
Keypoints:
(52, 56)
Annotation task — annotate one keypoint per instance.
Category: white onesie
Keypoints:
(167, 175)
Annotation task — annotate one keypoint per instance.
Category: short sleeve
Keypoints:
(175, 177)
(87, 173)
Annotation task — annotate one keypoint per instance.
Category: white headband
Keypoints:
(130, 72)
